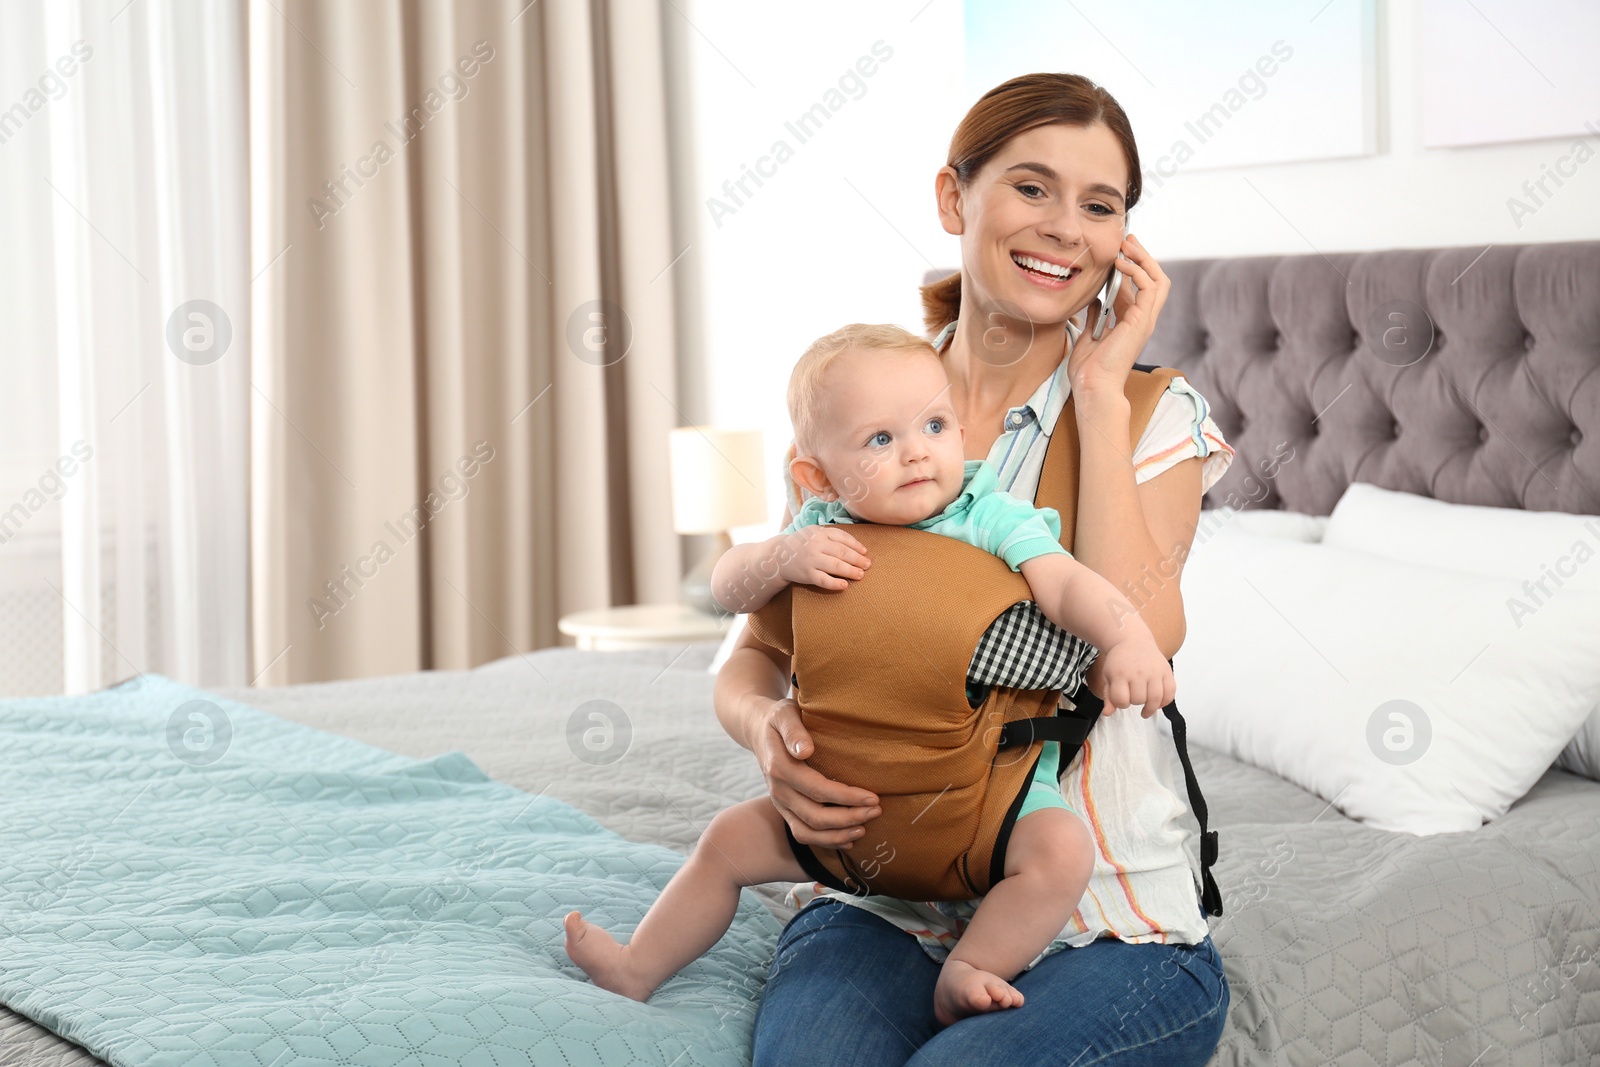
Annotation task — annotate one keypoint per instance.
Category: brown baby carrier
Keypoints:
(880, 672)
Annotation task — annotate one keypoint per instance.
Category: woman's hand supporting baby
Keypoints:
(1082, 602)
(747, 576)
(819, 810)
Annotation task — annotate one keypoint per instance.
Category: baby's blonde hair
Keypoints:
(806, 393)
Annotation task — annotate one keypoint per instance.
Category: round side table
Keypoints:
(642, 626)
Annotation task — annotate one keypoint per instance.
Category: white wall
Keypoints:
(1405, 196)
(844, 230)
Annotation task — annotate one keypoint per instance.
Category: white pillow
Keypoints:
(1405, 695)
(1264, 521)
(1529, 546)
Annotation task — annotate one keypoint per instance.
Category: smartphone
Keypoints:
(1108, 297)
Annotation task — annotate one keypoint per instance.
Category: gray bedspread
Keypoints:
(1342, 944)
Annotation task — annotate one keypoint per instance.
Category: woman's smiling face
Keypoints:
(1042, 222)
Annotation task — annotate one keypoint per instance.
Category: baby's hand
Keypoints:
(1134, 671)
(823, 556)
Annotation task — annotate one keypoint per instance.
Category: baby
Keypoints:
(877, 441)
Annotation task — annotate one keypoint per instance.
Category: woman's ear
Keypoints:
(806, 471)
(947, 196)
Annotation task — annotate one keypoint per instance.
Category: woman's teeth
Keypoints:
(1039, 266)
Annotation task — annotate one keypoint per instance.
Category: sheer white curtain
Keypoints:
(133, 172)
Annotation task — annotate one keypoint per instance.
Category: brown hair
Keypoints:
(1012, 108)
(806, 391)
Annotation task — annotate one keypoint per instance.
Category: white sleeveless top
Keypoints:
(1146, 881)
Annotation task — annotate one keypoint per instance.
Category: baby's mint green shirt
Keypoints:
(983, 515)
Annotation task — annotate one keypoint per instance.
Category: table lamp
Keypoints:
(718, 482)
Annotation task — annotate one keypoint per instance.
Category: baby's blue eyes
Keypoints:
(882, 438)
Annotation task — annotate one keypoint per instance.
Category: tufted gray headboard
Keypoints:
(1465, 374)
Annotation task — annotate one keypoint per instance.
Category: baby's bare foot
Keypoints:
(963, 990)
(602, 959)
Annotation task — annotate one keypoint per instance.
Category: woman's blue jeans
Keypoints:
(847, 987)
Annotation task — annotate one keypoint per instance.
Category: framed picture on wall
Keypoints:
(1206, 86)
(1500, 70)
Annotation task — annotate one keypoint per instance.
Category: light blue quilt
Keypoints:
(187, 880)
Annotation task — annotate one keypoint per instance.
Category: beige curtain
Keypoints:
(464, 366)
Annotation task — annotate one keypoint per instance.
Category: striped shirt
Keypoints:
(1145, 884)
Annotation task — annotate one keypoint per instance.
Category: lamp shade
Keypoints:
(718, 479)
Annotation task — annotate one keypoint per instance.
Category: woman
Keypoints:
(1041, 174)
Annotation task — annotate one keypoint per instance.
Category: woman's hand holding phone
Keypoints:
(1096, 365)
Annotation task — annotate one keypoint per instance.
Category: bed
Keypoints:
(1343, 944)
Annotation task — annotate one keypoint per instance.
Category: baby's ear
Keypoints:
(806, 471)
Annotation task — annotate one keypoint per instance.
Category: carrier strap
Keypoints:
(1210, 895)
(1071, 728)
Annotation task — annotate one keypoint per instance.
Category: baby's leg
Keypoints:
(744, 845)
(1048, 863)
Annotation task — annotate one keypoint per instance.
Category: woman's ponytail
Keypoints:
(941, 303)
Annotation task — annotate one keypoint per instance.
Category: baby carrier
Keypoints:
(880, 671)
